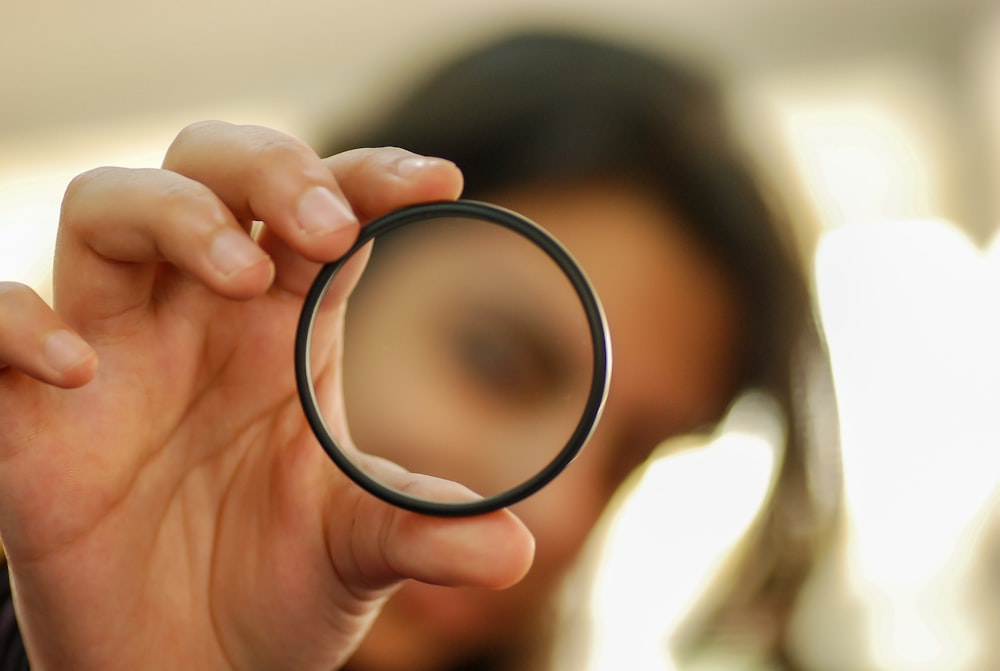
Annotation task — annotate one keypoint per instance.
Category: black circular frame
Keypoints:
(596, 321)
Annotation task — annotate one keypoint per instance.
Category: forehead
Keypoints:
(675, 317)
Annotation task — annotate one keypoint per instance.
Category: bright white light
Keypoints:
(674, 534)
(910, 312)
(29, 210)
(861, 163)
(864, 145)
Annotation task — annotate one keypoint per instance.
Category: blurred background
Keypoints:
(879, 120)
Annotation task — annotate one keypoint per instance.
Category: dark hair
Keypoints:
(543, 108)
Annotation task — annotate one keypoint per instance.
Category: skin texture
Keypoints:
(162, 502)
(677, 331)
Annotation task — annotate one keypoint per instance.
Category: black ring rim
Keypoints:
(596, 320)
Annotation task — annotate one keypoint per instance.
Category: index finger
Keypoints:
(263, 174)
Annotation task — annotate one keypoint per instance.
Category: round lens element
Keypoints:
(470, 347)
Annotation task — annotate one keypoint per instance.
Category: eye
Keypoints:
(506, 361)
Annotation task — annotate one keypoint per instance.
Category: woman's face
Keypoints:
(676, 327)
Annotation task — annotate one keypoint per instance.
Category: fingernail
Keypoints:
(232, 251)
(414, 164)
(322, 212)
(65, 350)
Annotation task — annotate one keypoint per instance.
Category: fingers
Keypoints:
(380, 180)
(313, 206)
(118, 225)
(34, 340)
(375, 181)
(262, 174)
(491, 551)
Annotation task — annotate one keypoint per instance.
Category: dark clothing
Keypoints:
(12, 654)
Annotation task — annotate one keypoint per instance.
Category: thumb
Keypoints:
(381, 545)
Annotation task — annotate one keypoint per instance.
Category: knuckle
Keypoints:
(277, 152)
(84, 181)
(13, 291)
(188, 136)
(72, 210)
(185, 200)
(283, 153)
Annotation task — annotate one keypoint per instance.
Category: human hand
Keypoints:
(163, 502)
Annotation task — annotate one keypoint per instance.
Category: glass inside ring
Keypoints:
(471, 348)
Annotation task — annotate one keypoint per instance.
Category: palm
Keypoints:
(193, 458)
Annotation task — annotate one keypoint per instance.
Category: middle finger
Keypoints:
(263, 174)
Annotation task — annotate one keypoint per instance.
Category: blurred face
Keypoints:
(468, 354)
(676, 327)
